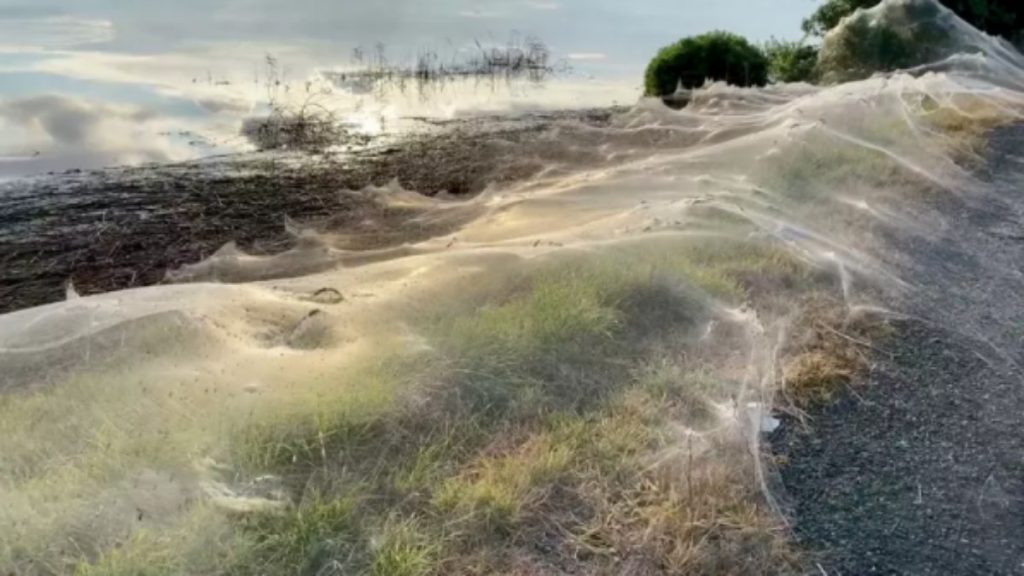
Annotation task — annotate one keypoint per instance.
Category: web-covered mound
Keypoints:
(917, 36)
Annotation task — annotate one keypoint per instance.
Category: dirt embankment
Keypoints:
(125, 227)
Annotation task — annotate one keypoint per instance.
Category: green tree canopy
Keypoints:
(828, 15)
(791, 61)
(895, 35)
(712, 56)
(998, 17)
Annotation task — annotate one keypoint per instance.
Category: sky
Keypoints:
(85, 83)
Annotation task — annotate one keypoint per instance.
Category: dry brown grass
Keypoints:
(615, 495)
(963, 114)
(963, 121)
(828, 350)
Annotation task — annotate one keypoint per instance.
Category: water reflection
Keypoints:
(102, 82)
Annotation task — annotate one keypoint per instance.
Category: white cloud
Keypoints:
(484, 14)
(543, 5)
(50, 132)
(588, 56)
(481, 14)
(54, 32)
(224, 104)
(232, 70)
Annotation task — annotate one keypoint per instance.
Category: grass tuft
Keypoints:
(494, 492)
(307, 540)
(404, 549)
(827, 351)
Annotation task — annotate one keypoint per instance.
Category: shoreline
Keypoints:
(125, 227)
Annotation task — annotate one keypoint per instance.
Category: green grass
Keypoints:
(301, 432)
(194, 545)
(300, 541)
(404, 548)
(142, 555)
(556, 416)
(493, 494)
(523, 406)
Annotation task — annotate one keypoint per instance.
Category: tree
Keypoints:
(998, 17)
(712, 56)
(828, 15)
(791, 61)
(899, 35)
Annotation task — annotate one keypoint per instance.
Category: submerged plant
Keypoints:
(309, 127)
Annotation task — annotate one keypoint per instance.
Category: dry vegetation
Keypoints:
(829, 349)
(521, 57)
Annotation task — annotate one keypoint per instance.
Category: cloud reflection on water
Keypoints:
(136, 74)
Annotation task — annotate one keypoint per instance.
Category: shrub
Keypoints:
(712, 56)
(300, 130)
(791, 61)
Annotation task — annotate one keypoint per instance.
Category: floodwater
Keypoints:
(100, 82)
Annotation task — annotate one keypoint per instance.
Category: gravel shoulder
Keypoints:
(920, 469)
